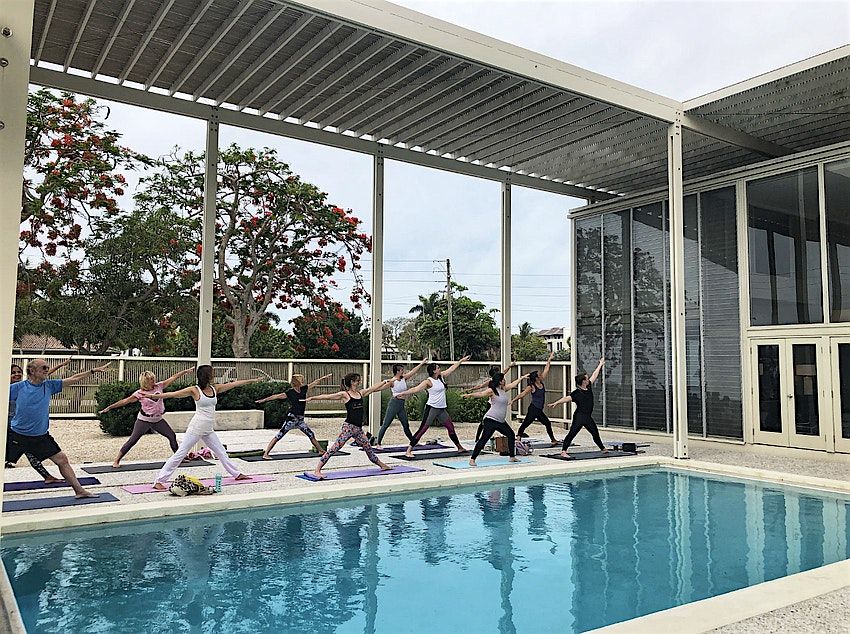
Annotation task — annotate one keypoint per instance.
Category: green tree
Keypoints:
(475, 331)
(330, 334)
(426, 307)
(527, 346)
(269, 341)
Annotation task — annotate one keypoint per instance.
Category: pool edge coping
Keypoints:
(11, 620)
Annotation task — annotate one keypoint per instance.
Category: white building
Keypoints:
(554, 338)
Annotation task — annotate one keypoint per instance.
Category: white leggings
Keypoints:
(190, 438)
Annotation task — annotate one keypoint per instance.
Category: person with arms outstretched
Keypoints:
(495, 418)
(396, 406)
(297, 397)
(582, 396)
(537, 388)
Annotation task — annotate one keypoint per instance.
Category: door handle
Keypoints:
(790, 396)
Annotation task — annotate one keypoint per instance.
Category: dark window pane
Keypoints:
(721, 335)
(837, 184)
(617, 308)
(588, 344)
(844, 387)
(806, 416)
(648, 251)
(692, 315)
(784, 245)
(770, 395)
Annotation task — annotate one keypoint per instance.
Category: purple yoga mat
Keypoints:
(398, 448)
(148, 488)
(344, 474)
(40, 484)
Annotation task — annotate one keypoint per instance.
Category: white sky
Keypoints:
(678, 49)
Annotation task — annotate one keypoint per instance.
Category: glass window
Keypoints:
(588, 344)
(693, 318)
(784, 245)
(770, 390)
(617, 320)
(837, 185)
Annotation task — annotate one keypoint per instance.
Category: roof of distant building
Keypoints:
(40, 344)
(551, 332)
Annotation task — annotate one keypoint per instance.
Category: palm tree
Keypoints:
(426, 306)
(525, 330)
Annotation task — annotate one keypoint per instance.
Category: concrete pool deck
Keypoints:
(825, 472)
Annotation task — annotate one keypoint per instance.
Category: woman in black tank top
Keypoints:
(582, 396)
(353, 425)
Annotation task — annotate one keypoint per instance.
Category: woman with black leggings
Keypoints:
(494, 419)
(582, 396)
(537, 389)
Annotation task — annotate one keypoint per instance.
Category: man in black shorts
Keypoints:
(28, 432)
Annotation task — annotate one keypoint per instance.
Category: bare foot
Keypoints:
(409, 453)
(514, 459)
(266, 456)
(462, 450)
(384, 466)
(52, 480)
(159, 486)
(85, 494)
(318, 475)
(604, 450)
(472, 463)
(116, 464)
(564, 454)
(554, 443)
(242, 476)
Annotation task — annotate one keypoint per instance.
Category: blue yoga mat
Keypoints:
(480, 462)
(344, 474)
(40, 484)
(49, 503)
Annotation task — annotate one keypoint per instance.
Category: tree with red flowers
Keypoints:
(334, 333)
(279, 242)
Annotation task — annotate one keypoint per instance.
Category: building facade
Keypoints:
(767, 303)
(554, 338)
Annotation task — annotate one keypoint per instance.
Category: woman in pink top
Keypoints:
(150, 415)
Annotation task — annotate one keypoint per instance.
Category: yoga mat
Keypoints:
(49, 503)
(148, 488)
(142, 466)
(619, 443)
(432, 455)
(396, 448)
(480, 462)
(290, 456)
(589, 455)
(345, 474)
(40, 484)
(245, 453)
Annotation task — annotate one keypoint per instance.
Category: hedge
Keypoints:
(119, 422)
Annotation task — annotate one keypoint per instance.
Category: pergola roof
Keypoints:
(356, 73)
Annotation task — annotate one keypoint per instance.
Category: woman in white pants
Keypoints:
(202, 425)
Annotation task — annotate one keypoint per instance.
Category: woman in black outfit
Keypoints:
(582, 396)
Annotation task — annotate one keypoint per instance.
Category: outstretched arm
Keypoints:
(273, 397)
(221, 389)
(424, 385)
(58, 367)
(376, 388)
(418, 367)
(598, 369)
(454, 366)
(79, 376)
(124, 401)
(521, 395)
(313, 384)
(545, 372)
(564, 399)
(513, 384)
(178, 375)
(186, 391)
(336, 396)
(481, 394)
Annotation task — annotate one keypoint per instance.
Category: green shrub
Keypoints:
(472, 410)
(117, 422)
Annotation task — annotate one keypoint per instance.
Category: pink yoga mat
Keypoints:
(148, 488)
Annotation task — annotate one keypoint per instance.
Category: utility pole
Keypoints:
(449, 302)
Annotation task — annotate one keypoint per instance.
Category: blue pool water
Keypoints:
(563, 555)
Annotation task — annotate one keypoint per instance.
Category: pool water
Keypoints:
(563, 555)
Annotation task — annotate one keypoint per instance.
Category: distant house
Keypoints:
(40, 345)
(554, 338)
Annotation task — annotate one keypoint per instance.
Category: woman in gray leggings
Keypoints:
(396, 405)
(150, 415)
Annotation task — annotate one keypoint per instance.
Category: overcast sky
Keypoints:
(678, 49)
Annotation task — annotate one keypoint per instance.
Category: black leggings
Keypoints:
(141, 428)
(427, 419)
(579, 421)
(536, 414)
(489, 426)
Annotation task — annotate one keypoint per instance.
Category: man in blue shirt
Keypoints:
(28, 431)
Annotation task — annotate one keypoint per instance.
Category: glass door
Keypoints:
(791, 407)
(840, 353)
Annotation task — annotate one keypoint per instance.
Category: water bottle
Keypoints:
(218, 483)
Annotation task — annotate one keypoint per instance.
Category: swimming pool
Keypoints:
(558, 555)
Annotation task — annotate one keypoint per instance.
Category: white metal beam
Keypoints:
(163, 103)
(349, 88)
(376, 327)
(733, 137)
(406, 24)
(506, 273)
(205, 309)
(113, 35)
(677, 292)
(221, 32)
(148, 33)
(268, 83)
(78, 34)
(235, 54)
(332, 80)
(177, 42)
(47, 22)
(303, 78)
(271, 50)
(14, 76)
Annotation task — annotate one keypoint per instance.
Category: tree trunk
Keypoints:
(240, 343)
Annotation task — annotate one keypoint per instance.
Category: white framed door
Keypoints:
(840, 365)
(791, 392)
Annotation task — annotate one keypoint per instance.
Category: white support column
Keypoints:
(377, 325)
(15, 45)
(205, 310)
(677, 291)
(506, 272)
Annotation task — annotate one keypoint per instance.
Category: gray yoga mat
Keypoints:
(589, 455)
(57, 502)
(35, 485)
(431, 455)
(290, 456)
(396, 448)
(142, 466)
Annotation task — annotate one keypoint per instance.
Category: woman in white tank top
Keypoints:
(495, 420)
(395, 408)
(202, 425)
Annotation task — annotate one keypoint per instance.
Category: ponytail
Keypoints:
(495, 381)
(205, 376)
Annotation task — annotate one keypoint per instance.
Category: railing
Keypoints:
(77, 401)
